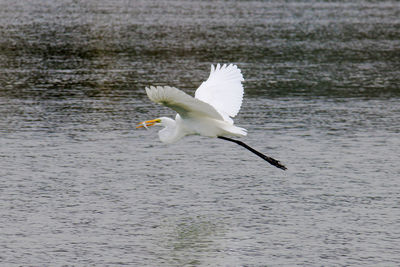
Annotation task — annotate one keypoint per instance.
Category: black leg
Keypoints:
(272, 161)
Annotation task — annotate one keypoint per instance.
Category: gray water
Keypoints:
(80, 186)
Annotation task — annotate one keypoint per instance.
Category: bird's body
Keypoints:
(180, 127)
(209, 113)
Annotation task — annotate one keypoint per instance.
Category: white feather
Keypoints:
(208, 113)
(223, 90)
(186, 105)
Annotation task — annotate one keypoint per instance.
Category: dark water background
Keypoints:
(79, 186)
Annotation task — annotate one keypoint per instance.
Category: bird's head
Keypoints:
(146, 124)
(167, 134)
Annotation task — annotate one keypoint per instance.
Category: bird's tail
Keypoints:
(235, 131)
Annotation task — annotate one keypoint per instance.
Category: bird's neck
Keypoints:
(173, 130)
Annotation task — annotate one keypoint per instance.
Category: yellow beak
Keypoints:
(145, 124)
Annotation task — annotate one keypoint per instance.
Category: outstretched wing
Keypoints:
(184, 104)
(223, 90)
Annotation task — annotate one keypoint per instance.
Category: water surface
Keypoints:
(79, 185)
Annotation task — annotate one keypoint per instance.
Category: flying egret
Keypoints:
(208, 113)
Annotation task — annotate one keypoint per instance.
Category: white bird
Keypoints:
(209, 113)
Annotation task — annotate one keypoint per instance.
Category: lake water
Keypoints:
(80, 186)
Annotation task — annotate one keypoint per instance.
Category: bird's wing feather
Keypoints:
(181, 102)
(223, 90)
